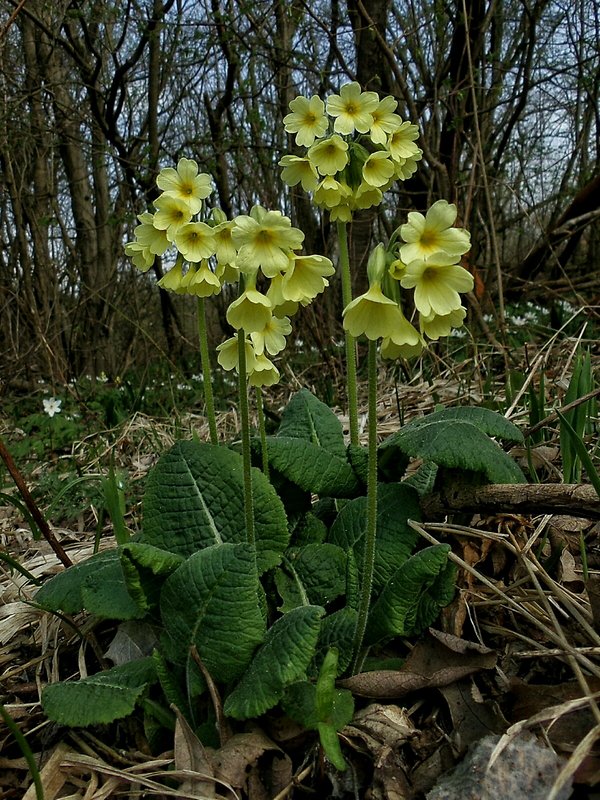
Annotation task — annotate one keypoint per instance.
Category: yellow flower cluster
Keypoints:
(214, 251)
(357, 147)
(426, 260)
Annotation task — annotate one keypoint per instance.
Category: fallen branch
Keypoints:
(576, 500)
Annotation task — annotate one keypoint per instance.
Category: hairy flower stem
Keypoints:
(371, 532)
(262, 430)
(206, 372)
(342, 233)
(245, 420)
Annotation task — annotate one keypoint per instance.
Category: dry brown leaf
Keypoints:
(382, 728)
(472, 719)
(232, 761)
(190, 756)
(437, 660)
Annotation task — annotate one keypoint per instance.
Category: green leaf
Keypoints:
(100, 698)
(195, 499)
(337, 630)
(484, 419)
(283, 659)
(307, 418)
(456, 444)
(145, 568)
(413, 597)
(322, 707)
(358, 457)
(96, 585)
(312, 468)
(309, 529)
(396, 504)
(423, 479)
(211, 601)
(320, 571)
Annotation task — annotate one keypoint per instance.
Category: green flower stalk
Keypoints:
(206, 372)
(351, 379)
(368, 566)
(245, 420)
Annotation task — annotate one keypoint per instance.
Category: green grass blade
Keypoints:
(26, 750)
(114, 500)
(37, 534)
(580, 450)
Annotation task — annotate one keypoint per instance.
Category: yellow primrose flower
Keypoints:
(195, 241)
(227, 273)
(331, 192)
(272, 336)
(437, 283)
(224, 244)
(251, 311)
(306, 277)
(341, 213)
(366, 196)
(299, 170)
(151, 237)
(203, 282)
(406, 167)
(265, 373)
(372, 314)
(307, 120)
(171, 215)
(384, 120)
(437, 325)
(140, 256)
(427, 235)
(265, 242)
(171, 280)
(352, 109)
(401, 142)
(228, 354)
(389, 348)
(378, 169)
(280, 306)
(329, 155)
(184, 183)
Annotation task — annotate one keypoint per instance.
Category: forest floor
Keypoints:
(506, 684)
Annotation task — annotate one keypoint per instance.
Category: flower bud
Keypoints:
(377, 265)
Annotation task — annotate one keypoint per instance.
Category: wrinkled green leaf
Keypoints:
(337, 630)
(99, 698)
(396, 504)
(145, 568)
(195, 499)
(306, 417)
(484, 419)
(414, 596)
(423, 479)
(211, 601)
(312, 468)
(315, 574)
(96, 585)
(456, 444)
(283, 659)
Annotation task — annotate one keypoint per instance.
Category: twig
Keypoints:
(32, 506)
